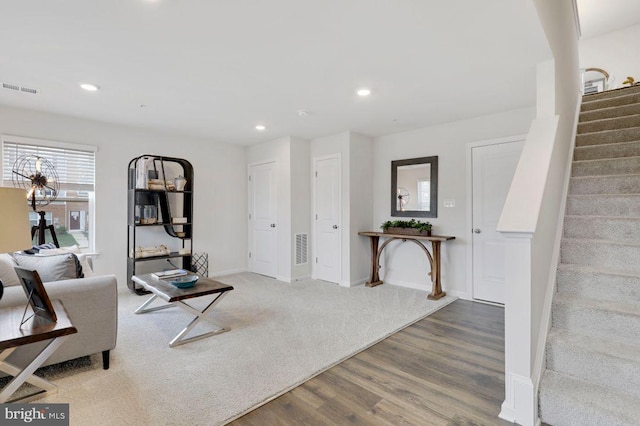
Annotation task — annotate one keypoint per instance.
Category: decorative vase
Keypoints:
(180, 182)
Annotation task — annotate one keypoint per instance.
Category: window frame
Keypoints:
(46, 143)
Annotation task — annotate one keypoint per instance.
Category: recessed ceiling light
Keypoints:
(260, 127)
(303, 113)
(89, 87)
(363, 92)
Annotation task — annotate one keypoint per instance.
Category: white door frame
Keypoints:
(249, 200)
(469, 223)
(314, 160)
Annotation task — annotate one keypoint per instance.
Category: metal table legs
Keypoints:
(180, 339)
(26, 374)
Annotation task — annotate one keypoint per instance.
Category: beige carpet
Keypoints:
(281, 335)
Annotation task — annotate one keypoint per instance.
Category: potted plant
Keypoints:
(406, 227)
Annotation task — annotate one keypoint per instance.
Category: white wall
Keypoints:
(361, 208)
(220, 185)
(404, 264)
(615, 52)
(300, 203)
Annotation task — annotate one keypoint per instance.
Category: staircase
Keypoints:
(593, 347)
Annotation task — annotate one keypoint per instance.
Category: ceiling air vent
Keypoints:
(18, 88)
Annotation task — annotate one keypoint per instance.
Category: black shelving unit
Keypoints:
(162, 199)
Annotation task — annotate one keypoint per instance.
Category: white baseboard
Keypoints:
(303, 278)
(520, 404)
(415, 286)
(227, 272)
(285, 279)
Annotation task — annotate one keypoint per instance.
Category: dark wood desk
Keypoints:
(175, 297)
(13, 335)
(434, 260)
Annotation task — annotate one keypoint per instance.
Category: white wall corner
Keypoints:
(521, 403)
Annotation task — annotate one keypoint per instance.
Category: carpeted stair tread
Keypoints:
(608, 136)
(610, 254)
(565, 400)
(597, 283)
(622, 229)
(615, 320)
(597, 152)
(620, 205)
(614, 123)
(606, 167)
(610, 112)
(621, 100)
(595, 359)
(609, 94)
(614, 184)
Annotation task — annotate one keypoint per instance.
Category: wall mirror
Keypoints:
(414, 187)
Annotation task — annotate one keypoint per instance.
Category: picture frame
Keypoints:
(36, 294)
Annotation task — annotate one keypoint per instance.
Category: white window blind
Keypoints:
(75, 167)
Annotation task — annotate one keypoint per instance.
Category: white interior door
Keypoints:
(493, 170)
(263, 214)
(327, 219)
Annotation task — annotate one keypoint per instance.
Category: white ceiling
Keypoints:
(599, 17)
(216, 68)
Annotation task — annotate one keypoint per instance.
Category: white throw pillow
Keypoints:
(7, 273)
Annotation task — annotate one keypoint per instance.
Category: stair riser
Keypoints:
(593, 367)
(592, 322)
(609, 94)
(599, 152)
(609, 124)
(608, 137)
(622, 230)
(588, 106)
(617, 166)
(604, 185)
(599, 286)
(604, 205)
(618, 257)
(601, 114)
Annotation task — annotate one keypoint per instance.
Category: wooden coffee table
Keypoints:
(176, 297)
(13, 335)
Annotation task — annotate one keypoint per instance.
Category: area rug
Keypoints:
(281, 335)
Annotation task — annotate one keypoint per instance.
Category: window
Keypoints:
(424, 195)
(73, 212)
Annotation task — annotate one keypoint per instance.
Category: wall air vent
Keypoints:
(301, 248)
(19, 88)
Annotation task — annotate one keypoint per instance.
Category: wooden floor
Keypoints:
(447, 369)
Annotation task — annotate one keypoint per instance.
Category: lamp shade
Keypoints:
(15, 230)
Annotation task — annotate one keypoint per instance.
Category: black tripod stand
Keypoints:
(42, 226)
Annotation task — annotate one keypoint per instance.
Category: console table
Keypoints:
(434, 260)
(12, 336)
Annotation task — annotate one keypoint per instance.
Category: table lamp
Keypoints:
(14, 222)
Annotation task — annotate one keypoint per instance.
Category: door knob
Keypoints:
(477, 231)
(335, 226)
(273, 225)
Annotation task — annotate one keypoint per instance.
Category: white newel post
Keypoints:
(520, 405)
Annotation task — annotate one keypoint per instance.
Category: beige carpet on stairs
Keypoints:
(281, 335)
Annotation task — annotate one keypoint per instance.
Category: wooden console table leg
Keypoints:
(436, 292)
(374, 280)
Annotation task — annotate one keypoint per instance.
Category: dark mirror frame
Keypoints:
(433, 161)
